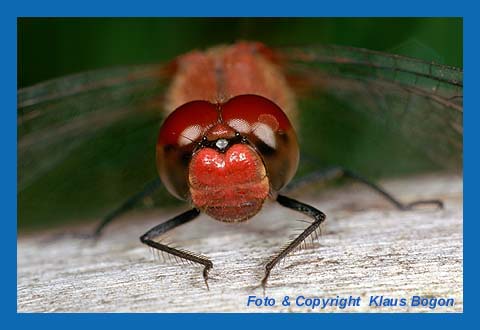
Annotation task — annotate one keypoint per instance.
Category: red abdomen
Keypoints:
(223, 72)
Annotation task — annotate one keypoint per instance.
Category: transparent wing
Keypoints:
(87, 141)
(417, 105)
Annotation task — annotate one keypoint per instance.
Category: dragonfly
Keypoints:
(221, 126)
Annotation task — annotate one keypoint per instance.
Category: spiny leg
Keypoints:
(340, 172)
(149, 236)
(318, 217)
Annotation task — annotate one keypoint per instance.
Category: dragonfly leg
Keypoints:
(340, 172)
(126, 206)
(149, 189)
(317, 216)
(149, 236)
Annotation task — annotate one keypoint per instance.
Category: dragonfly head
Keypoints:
(227, 158)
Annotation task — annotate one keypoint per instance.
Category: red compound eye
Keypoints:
(266, 127)
(254, 109)
(189, 121)
(177, 139)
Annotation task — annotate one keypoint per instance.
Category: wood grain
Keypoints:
(368, 248)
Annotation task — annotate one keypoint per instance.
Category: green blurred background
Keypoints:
(54, 47)
(49, 48)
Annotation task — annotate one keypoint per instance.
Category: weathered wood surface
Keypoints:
(368, 248)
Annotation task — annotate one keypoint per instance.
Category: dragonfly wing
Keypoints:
(89, 134)
(422, 101)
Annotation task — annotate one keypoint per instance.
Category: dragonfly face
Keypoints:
(227, 158)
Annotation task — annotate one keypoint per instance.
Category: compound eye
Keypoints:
(178, 136)
(268, 128)
(188, 123)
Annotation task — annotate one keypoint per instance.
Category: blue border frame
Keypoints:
(223, 8)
